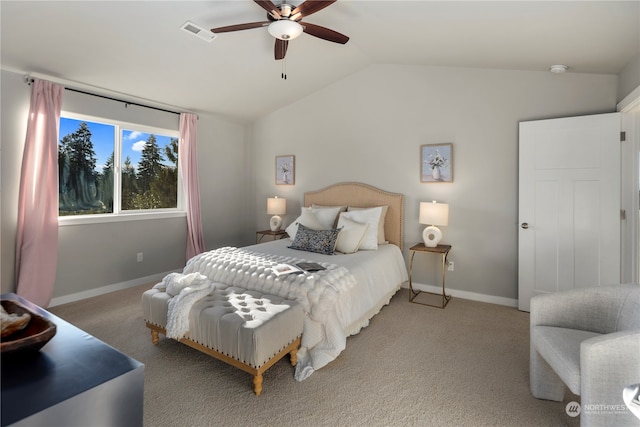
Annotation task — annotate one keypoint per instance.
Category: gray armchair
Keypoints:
(589, 341)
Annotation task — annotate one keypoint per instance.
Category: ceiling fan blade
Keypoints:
(311, 6)
(280, 48)
(269, 7)
(239, 27)
(324, 33)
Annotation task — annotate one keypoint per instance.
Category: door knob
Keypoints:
(524, 225)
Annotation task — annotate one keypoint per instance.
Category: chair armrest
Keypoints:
(592, 309)
(609, 363)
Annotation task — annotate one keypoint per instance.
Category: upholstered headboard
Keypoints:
(364, 196)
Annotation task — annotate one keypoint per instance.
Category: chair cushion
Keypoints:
(560, 348)
(629, 318)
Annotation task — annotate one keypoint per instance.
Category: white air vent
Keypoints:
(198, 31)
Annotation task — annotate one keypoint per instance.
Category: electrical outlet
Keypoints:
(140, 257)
(450, 267)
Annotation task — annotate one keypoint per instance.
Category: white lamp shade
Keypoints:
(276, 206)
(434, 213)
(285, 29)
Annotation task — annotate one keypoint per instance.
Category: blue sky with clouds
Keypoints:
(103, 135)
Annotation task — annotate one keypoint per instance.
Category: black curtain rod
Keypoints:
(29, 81)
(126, 103)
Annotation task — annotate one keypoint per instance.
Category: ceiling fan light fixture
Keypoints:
(285, 29)
(285, 10)
(558, 69)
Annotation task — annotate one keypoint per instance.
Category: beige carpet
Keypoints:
(466, 365)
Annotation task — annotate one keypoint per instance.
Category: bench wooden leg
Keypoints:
(294, 357)
(257, 384)
(154, 337)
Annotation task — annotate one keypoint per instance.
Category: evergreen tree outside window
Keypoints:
(113, 168)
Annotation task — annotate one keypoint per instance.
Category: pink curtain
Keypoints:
(189, 172)
(37, 236)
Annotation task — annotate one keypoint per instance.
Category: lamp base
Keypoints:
(431, 236)
(275, 223)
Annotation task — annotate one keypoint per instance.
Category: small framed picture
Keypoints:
(285, 170)
(436, 163)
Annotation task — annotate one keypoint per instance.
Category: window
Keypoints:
(112, 168)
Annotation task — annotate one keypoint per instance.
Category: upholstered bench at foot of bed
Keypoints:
(247, 329)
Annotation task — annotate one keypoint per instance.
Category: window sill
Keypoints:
(122, 217)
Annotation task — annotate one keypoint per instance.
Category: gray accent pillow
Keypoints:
(319, 241)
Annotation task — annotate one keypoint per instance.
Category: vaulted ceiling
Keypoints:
(136, 48)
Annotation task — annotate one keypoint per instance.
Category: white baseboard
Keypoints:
(473, 296)
(107, 289)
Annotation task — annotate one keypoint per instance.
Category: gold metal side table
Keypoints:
(443, 250)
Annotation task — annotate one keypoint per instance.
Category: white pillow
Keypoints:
(351, 235)
(306, 218)
(381, 236)
(369, 216)
(327, 215)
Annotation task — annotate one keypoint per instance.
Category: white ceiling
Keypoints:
(137, 48)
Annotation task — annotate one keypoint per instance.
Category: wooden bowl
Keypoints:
(32, 338)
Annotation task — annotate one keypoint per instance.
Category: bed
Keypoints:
(337, 302)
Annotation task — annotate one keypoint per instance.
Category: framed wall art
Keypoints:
(285, 170)
(436, 163)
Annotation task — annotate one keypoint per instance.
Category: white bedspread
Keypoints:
(379, 274)
(324, 336)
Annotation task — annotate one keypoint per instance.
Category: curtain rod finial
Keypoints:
(28, 79)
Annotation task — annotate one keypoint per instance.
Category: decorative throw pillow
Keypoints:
(381, 236)
(369, 216)
(328, 212)
(351, 236)
(306, 218)
(320, 241)
(327, 215)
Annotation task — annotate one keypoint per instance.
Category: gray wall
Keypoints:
(97, 255)
(14, 107)
(629, 78)
(369, 127)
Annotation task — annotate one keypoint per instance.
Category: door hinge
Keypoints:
(623, 214)
(623, 136)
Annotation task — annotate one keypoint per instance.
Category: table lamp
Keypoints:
(276, 207)
(433, 214)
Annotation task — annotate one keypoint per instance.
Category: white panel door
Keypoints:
(569, 204)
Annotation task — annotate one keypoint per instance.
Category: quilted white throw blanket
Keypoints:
(324, 337)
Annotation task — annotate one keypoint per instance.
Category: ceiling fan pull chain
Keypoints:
(284, 69)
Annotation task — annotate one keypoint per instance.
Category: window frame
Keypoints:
(118, 215)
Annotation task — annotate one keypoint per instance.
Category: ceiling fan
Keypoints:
(284, 23)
